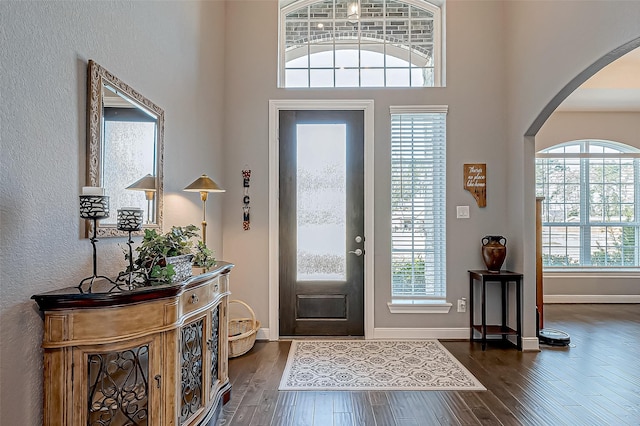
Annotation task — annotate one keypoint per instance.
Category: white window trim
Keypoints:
(367, 106)
(418, 305)
(418, 109)
(595, 273)
(566, 271)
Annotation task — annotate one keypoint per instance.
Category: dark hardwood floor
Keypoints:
(594, 381)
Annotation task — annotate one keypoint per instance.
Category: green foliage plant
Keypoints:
(156, 248)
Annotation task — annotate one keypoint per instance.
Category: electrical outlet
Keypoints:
(462, 305)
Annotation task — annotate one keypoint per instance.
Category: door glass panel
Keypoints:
(321, 202)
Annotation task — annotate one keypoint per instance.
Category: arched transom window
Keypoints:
(590, 217)
(360, 43)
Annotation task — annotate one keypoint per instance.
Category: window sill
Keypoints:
(591, 273)
(419, 307)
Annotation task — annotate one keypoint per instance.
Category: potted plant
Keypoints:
(169, 257)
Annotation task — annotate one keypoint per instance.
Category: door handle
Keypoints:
(357, 252)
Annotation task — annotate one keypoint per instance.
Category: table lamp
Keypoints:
(148, 185)
(204, 185)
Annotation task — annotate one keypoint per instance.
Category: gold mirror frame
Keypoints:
(98, 77)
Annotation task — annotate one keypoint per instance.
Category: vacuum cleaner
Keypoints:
(549, 336)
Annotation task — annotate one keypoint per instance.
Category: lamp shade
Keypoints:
(147, 183)
(204, 184)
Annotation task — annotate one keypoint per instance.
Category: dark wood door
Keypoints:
(321, 202)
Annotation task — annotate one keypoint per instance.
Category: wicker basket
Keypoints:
(242, 332)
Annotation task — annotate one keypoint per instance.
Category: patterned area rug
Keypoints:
(374, 365)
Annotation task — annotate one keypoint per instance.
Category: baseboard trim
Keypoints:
(263, 334)
(530, 344)
(403, 333)
(592, 298)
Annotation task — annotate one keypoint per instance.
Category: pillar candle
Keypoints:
(92, 190)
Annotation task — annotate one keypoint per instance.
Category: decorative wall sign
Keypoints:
(475, 181)
(246, 179)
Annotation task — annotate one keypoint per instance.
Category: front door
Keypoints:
(321, 204)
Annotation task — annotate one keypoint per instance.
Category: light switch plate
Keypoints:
(462, 212)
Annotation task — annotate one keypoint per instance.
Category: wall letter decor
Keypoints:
(246, 178)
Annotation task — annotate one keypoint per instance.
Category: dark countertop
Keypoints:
(105, 293)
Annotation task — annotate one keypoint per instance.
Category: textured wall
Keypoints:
(169, 51)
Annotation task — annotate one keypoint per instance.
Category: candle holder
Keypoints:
(129, 220)
(93, 207)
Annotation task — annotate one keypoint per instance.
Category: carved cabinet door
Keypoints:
(119, 383)
(192, 351)
(214, 344)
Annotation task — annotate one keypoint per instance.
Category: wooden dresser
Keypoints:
(149, 356)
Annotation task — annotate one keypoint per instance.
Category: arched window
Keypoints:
(360, 43)
(590, 212)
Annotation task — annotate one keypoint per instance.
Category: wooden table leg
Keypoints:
(471, 315)
(484, 314)
(519, 313)
(505, 299)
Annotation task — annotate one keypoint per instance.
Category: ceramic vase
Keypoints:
(494, 251)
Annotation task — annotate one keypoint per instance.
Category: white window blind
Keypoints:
(418, 202)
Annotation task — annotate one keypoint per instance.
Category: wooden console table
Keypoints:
(504, 278)
(149, 356)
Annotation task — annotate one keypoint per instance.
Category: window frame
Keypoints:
(436, 301)
(437, 7)
(585, 223)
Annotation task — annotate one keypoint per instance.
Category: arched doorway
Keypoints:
(559, 98)
(577, 81)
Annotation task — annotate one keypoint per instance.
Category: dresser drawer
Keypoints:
(195, 298)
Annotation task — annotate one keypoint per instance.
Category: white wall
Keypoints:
(567, 126)
(549, 44)
(476, 134)
(170, 52)
(505, 62)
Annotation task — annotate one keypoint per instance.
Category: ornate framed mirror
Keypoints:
(125, 137)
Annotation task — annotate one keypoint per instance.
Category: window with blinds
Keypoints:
(591, 191)
(418, 202)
